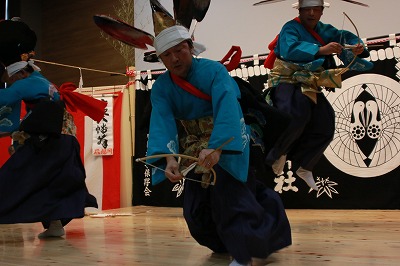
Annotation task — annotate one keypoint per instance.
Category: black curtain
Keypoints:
(166, 193)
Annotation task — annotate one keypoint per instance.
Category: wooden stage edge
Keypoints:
(145, 235)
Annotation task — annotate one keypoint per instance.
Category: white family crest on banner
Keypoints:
(103, 138)
(368, 145)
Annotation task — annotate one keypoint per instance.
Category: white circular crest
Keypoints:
(367, 135)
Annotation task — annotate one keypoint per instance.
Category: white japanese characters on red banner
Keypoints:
(103, 139)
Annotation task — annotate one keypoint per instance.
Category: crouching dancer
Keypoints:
(237, 214)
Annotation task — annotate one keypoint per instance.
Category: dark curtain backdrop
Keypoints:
(359, 170)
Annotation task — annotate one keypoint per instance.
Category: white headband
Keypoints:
(310, 3)
(172, 36)
(18, 66)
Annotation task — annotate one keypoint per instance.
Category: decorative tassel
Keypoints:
(80, 86)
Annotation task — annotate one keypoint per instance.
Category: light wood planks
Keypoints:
(159, 236)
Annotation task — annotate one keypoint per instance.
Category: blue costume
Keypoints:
(313, 118)
(44, 180)
(34, 88)
(237, 214)
(297, 45)
(228, 118)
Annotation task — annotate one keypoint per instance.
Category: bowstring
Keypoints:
(341, 41)
(158, 168)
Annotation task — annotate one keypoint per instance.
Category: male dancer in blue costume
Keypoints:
(302, 68)
(44, 179)
(236, 215)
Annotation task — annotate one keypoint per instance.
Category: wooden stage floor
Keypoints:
(143, 235)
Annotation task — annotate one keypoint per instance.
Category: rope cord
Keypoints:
(80, 68)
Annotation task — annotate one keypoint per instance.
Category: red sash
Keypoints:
(90, 106)
(190, 88)
(235, 53)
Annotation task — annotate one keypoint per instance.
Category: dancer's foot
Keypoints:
(307, 176)
(279, 165)
(236, 263)
(55, 230)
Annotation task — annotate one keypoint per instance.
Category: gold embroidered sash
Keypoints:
(311, 82)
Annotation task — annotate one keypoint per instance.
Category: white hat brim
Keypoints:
(296, 5)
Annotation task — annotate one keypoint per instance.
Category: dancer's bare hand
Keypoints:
(358, 49)
(330, 48)
(172, 170)
(209, 157)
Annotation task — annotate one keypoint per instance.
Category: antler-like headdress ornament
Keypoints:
(185, 11)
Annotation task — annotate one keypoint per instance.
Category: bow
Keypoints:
(345, 69)
(185, 171)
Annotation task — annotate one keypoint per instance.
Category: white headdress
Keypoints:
(18, 66)
(172, 36)
(310, 3)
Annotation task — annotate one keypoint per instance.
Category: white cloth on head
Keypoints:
(310, 3)
(18, 66)
(172, 36)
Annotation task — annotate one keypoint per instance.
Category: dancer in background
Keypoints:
(44, 179)
(302, 65)
(237, 215)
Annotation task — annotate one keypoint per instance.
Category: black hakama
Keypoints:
(43, 181)
(247, 220)
(310, 131)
